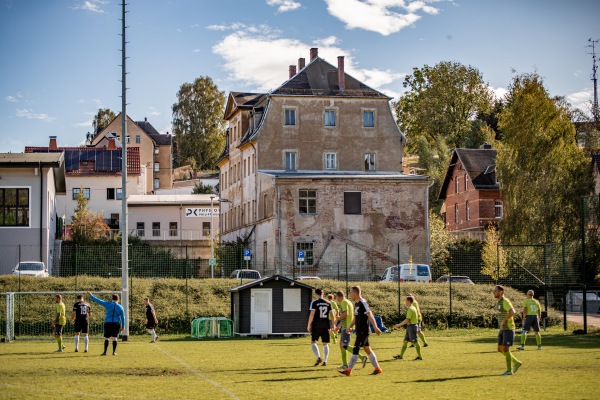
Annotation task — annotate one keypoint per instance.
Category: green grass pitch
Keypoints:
(458, 364)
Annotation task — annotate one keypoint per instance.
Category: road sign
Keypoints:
(247, 254)
(301, 255)
(212, 262)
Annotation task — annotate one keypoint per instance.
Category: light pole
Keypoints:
(212, 240)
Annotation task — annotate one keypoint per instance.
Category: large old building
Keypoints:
(316, 165)
(471, 192)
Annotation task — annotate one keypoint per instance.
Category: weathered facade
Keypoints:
(596, 166)
(316, 165)
(471, 193)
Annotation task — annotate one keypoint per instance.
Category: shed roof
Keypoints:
(387, 175)
(480, 165)
(55, 161)
(267, 279)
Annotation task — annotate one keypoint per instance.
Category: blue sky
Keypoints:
(60, 58)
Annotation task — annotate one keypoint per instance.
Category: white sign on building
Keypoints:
(192, 212)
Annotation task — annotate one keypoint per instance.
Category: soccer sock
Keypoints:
(153, 333)
(59, 341)
(86, 340)
(114, 346)
(344, 356)
(422, 337)
(538, 339)
(76, 342)
(404, 346)
(325, 352)
(373, 359)
(508, 357)
(105, 345)
(315, 350)
(418, 347)
(523, 338)
(353, 360)
(513, 358)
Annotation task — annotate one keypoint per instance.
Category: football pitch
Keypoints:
(457, 364)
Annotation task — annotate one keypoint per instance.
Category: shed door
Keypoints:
(261, 311)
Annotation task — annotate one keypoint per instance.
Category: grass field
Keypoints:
(457, 364)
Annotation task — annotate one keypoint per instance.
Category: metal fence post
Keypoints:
(347, 291)
(187, 292)
(76, 246)
(564, 296)
(399, 294)
(546, 278)
(583, 265)
(294, 261)
(450, 293)
(498, 262)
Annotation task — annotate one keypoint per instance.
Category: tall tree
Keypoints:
(198, 123)
(542, 171)
(87, 225)
(103, 117)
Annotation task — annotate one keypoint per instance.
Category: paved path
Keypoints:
(593, 319)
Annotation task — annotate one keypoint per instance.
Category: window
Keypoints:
(265, 205)
(468, 209)
(245, 166)
(369, 161)
(141, 229)
(156, 229)
(368, 119)
(138, 139)
(265, 253)
(156, 183)
(329, 118)
(110, 194)
(292, 300)
(206, 229)
(290, 116)
(156, 167)
(456, 185)
(290, 160)
(119, 193)
(86, 193)
(308, 249)
(330, 161)
(114, 219)
(128, 139)
(352, 203)
(253, 210)
(172, 228)
(14, 207)
(498, 209)
(308, 201)
(456, 213)
(466, 183)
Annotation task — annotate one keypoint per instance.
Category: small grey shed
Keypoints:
(274, 305)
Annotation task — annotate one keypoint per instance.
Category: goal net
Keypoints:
(29, 315)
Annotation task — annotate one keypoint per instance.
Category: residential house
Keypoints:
(155, 149)
(471, 192)
(29, 184)
(316, 165)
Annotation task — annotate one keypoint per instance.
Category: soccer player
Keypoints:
(114, 320)
(60, 320)
(532, 315)
(336, 312)
(151, 320)
(319, 324)
(411, 322)
(362, 317)
(420, 324)
(345, 319)
(506, 335)
(80, 319)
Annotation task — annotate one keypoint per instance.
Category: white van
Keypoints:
(408, 273)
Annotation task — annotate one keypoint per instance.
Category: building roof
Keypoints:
(171, 199)
(480, 165)
(54, 160)
(237, 100)
(375, 175)
(106, 161)
(258, 282)
(158, 138)
(596, 160)
(319, 78)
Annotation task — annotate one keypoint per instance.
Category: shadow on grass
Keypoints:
(591, 340)
(452, 378)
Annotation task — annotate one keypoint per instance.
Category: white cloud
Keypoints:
(263, 29)
(581, 99)
(498, 92)
(284, 5)
(11, 99)
(91, 5)
(152, 111)
(382, 16)
(29, 114)
(262, 60)
(84, 124)
(196, 51)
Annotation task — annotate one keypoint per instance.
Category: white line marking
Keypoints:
(198, 373)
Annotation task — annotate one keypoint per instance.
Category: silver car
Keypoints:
(31, 268)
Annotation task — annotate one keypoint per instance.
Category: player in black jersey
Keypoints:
(80, 318)
(151, 320)
(360, 322)
(319, 325)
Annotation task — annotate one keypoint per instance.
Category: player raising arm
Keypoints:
(114, 320)
(80, 319)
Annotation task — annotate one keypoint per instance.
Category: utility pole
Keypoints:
(124, 233)
(594, 78)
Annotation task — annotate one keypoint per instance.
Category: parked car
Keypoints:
(31, 268)
(408, 273)
(248, 274)
(308, 278)
(455, 279)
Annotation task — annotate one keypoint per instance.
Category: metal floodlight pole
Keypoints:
(124, 236)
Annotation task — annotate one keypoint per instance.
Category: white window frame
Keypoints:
(466, 183)
(456, 213)
(327, 115)
(156, 166)
(292, 155)
(372, 164)
(330, 160)
(285, 116)
(456, 184)
(498, 205)
(156, 183)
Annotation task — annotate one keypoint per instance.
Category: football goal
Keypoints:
(29, 315)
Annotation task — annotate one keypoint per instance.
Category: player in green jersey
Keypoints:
(344, 320)
(411, 322)
(60, 320)
(420, 324)
(506, 335)
(336, 311)
(532, 315)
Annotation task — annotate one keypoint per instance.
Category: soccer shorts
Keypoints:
(58, 329)
(81, 326)
(362, 340)
(322, 333)
(531, 321)
(506, 338)
(111, 329)
(150, 324)
(345, 337)
(411, 334)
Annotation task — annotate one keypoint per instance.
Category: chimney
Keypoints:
(314, 53)
(111, 143)
(301, 64)
(52, 145)
(292, 71)
(145, 119)
(341, 76)
(486, 146)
